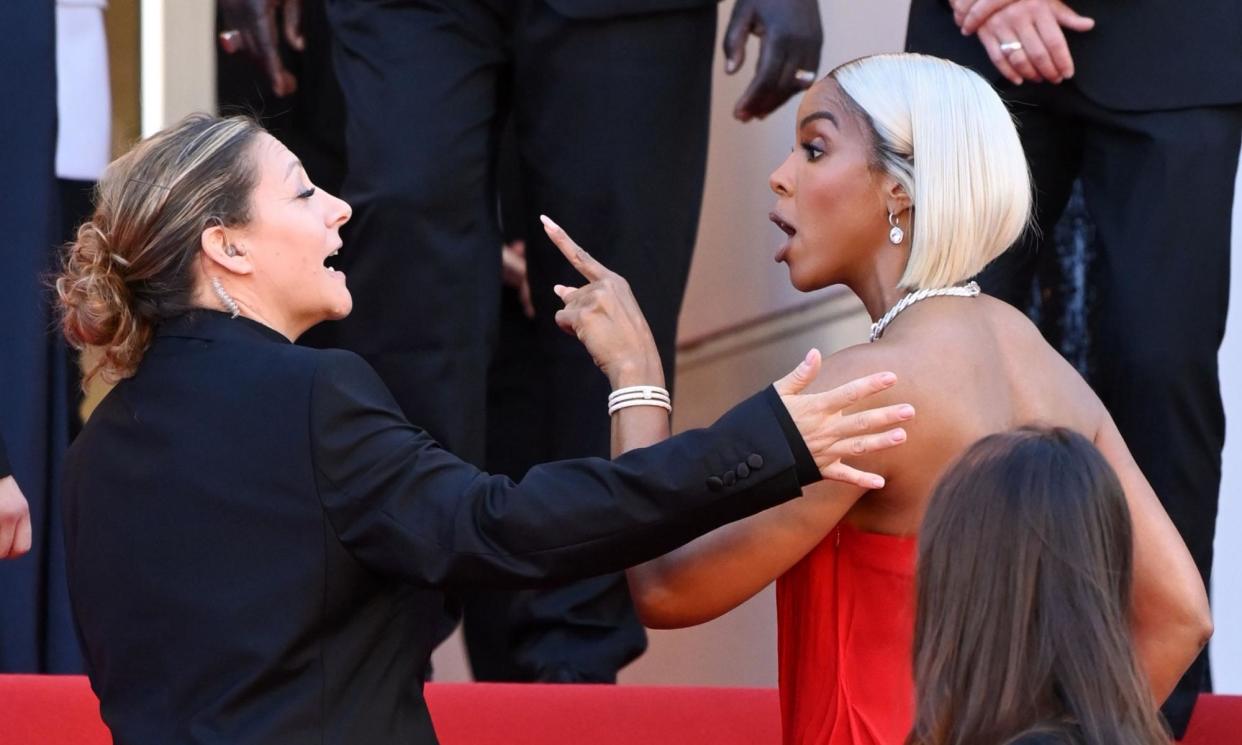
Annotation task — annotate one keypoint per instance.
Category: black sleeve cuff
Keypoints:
(804, 462)
(5, 468)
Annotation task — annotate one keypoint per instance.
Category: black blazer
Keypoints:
(1142, 55)
(257, 539)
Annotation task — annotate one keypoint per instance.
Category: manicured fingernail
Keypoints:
(906, 412)
(888, 378)
(731, 65)
(897, 435)
(547, 222)
(877, 483)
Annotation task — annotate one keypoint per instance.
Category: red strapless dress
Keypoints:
(845, 621)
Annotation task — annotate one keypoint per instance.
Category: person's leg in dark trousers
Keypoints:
(36, 626)
(421, 82)
(311, 121)
(517, 404)
(612, 120)
(1052, 140)
(1160, 190)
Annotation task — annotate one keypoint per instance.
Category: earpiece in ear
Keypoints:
(231, 250)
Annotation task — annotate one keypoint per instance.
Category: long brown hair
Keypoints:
(132, 264)
(1024, 574)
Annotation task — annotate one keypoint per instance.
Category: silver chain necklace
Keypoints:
(970, 289)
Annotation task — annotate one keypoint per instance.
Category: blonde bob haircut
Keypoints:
(942, 132)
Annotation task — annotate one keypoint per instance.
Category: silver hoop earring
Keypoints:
(229, 303)
(895, 235)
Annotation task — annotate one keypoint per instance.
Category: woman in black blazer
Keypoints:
(257, 539)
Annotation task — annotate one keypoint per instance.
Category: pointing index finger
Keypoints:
(586, 264)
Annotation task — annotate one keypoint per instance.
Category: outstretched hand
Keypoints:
(605, 317)
(831, 435)
(259, 35)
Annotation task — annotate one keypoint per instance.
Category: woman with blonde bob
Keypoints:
(907, 179)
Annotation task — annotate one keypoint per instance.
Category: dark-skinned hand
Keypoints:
(790, 36)
(260, 23)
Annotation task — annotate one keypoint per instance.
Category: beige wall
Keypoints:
(177, 54)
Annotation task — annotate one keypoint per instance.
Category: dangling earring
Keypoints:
(225, 298)
(896, 235)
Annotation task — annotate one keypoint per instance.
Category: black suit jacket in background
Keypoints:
(602, 9)
(1142, 55)
(257, 538)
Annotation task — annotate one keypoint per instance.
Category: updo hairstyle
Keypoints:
(132, 265)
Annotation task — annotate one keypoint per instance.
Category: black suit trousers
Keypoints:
(1159, 187)
(610, 119)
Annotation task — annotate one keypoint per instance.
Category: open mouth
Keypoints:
(785, 227)
(329, 263)
(783, 251)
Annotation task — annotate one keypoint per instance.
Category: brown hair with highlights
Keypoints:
(132, 263)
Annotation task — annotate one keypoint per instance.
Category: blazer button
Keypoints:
(742, 470)
(755, 461)
(714, 483)
(729, 478)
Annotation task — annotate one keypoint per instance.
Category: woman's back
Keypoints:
(971, 367)
(845, 612)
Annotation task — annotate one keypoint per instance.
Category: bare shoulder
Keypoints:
(1030, 359)
(853, 362)
(861, 360)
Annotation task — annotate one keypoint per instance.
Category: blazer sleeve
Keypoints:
(405, 506)
(5, 468)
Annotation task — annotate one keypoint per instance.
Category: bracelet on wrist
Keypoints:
(639, 395)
